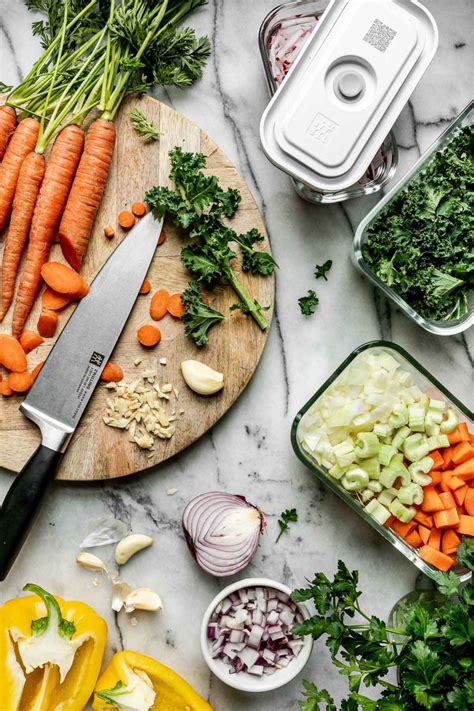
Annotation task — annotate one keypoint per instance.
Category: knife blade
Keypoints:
(69, 375)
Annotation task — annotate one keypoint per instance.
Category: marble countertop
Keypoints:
(248, 451)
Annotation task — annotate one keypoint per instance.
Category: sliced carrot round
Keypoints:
(148, 336)
(37, 369)
(53, 301)
(12, 355)
(20, 382)
(64, 279)
(161, 238)
(145, 287)
(5, 389)
(175, 306)
(126, 220)
(29, 340)
(159, 304)
(139, 209)
(112, 373)
(47, 323)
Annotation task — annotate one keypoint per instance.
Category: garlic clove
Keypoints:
(201, 378)
(90, 561)
(143, 599)
(119, 593)
(130, 545)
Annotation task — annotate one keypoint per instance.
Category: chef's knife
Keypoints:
(67, 379)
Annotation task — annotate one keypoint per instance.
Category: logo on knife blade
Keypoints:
(96, 359)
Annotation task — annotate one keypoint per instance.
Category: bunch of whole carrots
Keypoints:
(91, 60)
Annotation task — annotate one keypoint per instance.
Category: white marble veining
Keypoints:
(249, 452)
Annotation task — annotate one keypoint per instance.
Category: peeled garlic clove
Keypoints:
(201, 378)
(119, 593)
(90, 561)
(130, 545)
(143, 599)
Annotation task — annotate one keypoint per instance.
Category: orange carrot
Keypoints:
(5, 389)
(159, 304)
(47, 323)
(447, 454)
(145, 287)
(148, 336)
(64, 280)
(53, 301)
(462, 452)
(448, 499)
(466, 525)
(465, 470)
(29, 340)
(86, 192)
(403, 529)
(414, 539)
(20, 382)
(446, 519)
(468, 501)
(12, 355)
(437, 459)
(112, 373)
(436, 477)
(109, 232)
(436, 558)
(445, 479)
(424, 533)
(139, 209)
(175, 306)
(460, 494)
(7, 127)
(126, 220)
(161, 238)
(60, 171)
(455, 436)
(450, 543)
(27, 189)
(435, 539)
(424, 519)
(37, 369)
(22, 142)
(464, 432)
(431, 500)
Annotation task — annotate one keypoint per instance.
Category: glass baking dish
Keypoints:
(441, 328)
(425, 382)
(383, 166)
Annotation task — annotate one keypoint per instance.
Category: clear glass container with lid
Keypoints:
(428, 384)
(440, 328)
(295, 21)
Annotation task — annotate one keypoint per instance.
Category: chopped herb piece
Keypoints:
(308, 303)
(321, 270)
(286, 517)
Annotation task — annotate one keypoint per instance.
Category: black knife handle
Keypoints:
(22, 502)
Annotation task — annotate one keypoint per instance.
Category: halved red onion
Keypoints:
(222, 532)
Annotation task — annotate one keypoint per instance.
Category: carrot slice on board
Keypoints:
(112, 373)
(148, 336)
(64, 280)
(175, 306)
(53, 301)
(12, 355)
(20, 382)
(159, 304)
(145, 287)
(5, 389)
(139, 209)
(29, 340)
(47, 323)
(37, 369)
(126, 220)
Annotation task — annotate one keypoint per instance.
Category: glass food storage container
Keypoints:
(427, 383)
(301, 17)
(441, 328)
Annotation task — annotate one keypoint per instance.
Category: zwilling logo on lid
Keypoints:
(322, 128)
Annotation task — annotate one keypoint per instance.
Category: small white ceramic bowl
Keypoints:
(242, 680)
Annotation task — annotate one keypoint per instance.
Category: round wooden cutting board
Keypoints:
(235, 346)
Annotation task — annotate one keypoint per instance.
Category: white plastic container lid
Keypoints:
(347, 87)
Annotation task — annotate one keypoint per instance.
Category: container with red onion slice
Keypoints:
(246, 636)
(222, 531)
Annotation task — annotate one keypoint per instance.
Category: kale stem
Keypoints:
(245, 297)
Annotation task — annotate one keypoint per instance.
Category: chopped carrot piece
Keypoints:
(455, 483)
(435, 477)
(159, 304)
(47, 323)
(460, 495)
(139, 209)
(435, 539)
(414, 539)
(465, 470)
(447, 454)
(436, 558)
(109, 232)
(389, 521)
(175, 306)
(12, 355)
(126, 220)
(466, 525)
(468, 501)
(431, 500)
(424, 519)
(112, 373)
(455, 436)
(37, 369)
(145, 287)
(53, 301)
(437, 459)
(29, 340)
(161, 238)
(462, 452)
(450, 543)
(447, 499)
(403, 529)
(148, 336)
(447, 518)
(64, 280)
(20, 382)
(445, 478)
(424, 533)
(465, 436)
(5, 389)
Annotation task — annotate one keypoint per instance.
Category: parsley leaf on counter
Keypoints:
(321, 270)
(198, 317)
(199, 207)
(286, 517)
(308, 303)
(422, 243)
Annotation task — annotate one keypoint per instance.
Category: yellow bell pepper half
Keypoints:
(134, 681)
(50, 653)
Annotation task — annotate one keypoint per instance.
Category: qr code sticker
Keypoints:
(379, 35)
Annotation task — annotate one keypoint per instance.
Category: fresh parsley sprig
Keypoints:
(286, 517)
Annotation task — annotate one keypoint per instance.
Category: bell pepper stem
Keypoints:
(53, 617)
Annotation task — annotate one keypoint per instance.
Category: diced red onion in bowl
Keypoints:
(286, 42)
(222, 532)
(250, 630)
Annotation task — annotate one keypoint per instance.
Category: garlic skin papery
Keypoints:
(201, 378)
